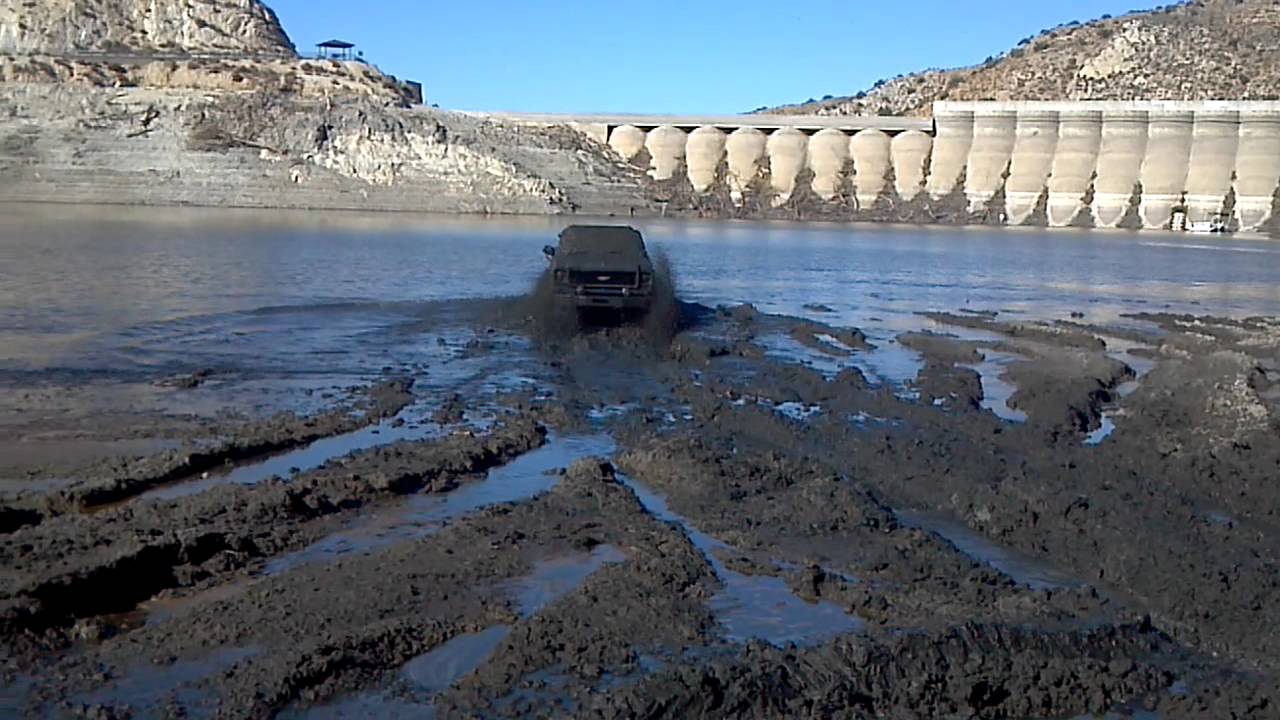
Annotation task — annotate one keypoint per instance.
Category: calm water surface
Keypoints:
(124, 289)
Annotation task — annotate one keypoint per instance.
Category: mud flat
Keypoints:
(741, 520)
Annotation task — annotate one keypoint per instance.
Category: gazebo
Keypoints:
(334, 50)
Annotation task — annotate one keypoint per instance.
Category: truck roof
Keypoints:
(619, 239)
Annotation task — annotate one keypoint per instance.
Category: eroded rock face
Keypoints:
(236, 27)
(276, 149)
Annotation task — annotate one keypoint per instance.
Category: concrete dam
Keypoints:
(1108, 164)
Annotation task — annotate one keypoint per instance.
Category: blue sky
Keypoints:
(666, 56)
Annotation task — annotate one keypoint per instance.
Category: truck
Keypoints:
(601, 266)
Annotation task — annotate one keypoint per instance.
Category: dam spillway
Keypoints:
(1105, 164)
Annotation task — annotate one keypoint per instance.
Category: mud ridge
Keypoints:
(78, 566)
(130, 478)
(975, 671)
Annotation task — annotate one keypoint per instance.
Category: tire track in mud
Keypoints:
(974, 670)
(120, 481)
(409, 599)
(81, 566)
(985, 473)
(815, 501)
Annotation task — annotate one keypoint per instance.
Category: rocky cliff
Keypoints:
(1199, 50)
(152, 146)
(53, 27)
(204, 102)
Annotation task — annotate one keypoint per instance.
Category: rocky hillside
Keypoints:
(54, 27)
(205, 45)
(170, 102)
(1198, 50)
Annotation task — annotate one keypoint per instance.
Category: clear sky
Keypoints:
(667, 56)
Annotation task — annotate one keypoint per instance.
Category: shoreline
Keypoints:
(674, 218)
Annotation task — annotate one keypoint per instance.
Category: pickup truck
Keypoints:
(601, 266)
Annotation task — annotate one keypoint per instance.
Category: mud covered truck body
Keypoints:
(601, 266)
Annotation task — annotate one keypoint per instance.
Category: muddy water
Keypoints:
(147, 688)
(291, 309)
(1020, 568)
(996, 391)
(308, 457)
(112, 289)
(523, 478)
(759, 607)
(423, 678)
(554, 578)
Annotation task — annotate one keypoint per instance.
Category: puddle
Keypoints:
(420, 681)
(793, 410)
(1218, 518)
(605, 412)
(787, 349)
(1020, 568)
(863, 419)
(754, 606)
(303, 459)
(438, 670)
(1122, 349)
(835, 343)
(996, 391)
(421, 515)
(147, 688)
(555, 578)
(671, 418)
(889, 363)
(426, 676)
(1103, 431)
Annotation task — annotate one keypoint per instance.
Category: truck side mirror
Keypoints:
(549, 252)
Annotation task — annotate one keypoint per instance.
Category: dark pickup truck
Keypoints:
(601, 266)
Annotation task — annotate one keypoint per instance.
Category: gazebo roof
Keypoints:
(336, 44)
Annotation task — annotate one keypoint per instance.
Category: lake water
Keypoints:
(128, 290)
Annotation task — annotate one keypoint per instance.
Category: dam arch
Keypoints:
(1109, 164)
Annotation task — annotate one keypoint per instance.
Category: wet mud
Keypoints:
(118, 479)
(726, 514)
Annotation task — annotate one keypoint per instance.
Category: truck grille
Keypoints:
(605, 277)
